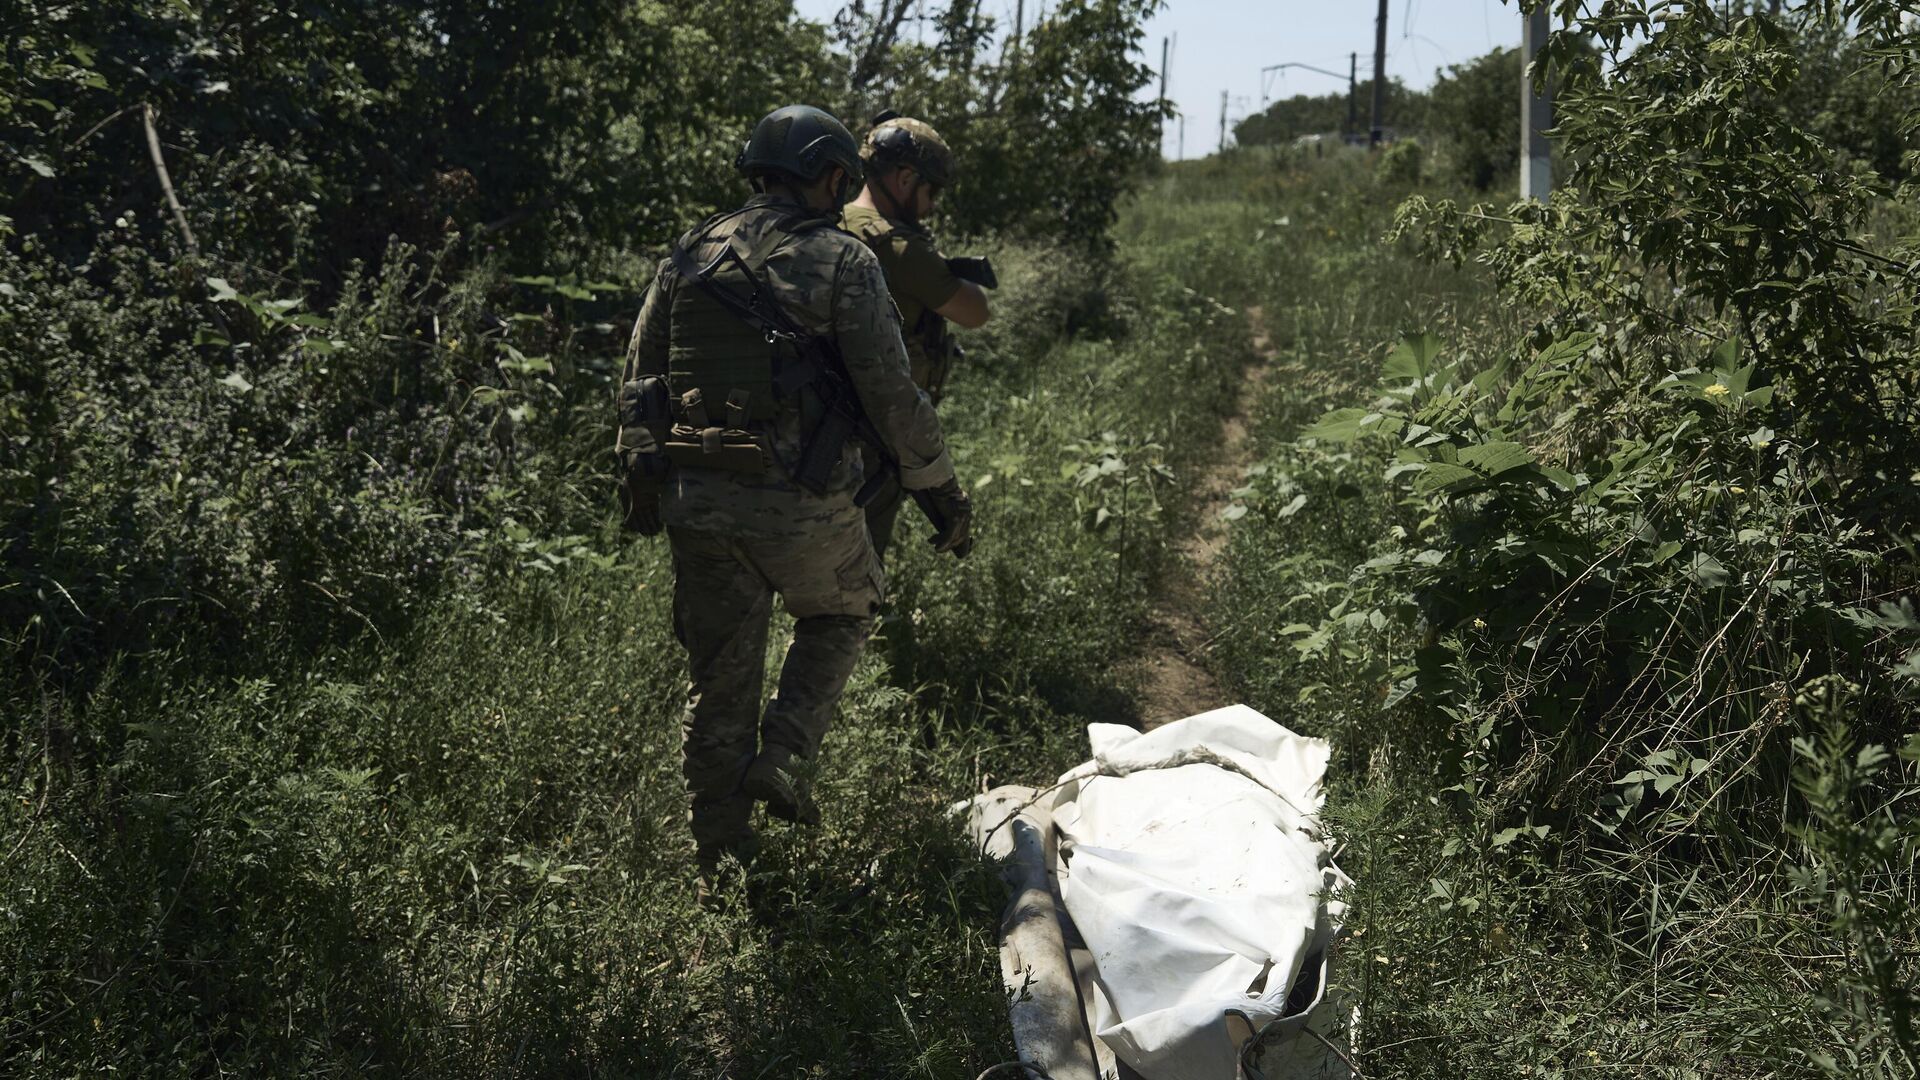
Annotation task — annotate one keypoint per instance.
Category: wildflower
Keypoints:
(1717, 390)
(1736, 489)
(1479, 623)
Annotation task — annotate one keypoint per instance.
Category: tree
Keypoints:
(1475, 110)
(1288, 119)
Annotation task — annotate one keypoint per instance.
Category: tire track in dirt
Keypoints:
(1171, 669)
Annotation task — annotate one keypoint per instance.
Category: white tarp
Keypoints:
(1189, 865)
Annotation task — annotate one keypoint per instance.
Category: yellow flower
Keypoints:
(453, 344)
(1717, 390)
(1736, 489)
(1479, 623)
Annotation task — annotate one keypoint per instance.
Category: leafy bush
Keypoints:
(1401, 162)
(1603, 595)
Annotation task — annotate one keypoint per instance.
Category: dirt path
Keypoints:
(1172, 665)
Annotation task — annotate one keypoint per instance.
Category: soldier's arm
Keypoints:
(868, 329)
(646, 351)
(917, 269)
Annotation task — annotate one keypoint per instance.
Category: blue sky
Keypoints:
(1222, 45)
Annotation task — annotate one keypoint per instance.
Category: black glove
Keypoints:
(641, 494)
(956, 510)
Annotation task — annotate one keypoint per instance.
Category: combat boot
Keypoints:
(778, 777)
(721, 868)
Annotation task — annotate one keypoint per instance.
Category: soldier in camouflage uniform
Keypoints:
(907, 165)
(707, 443)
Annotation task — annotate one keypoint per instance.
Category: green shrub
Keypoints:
(1400, 163)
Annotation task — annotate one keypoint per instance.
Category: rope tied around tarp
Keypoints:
(1032, 1072)
(1192, 755)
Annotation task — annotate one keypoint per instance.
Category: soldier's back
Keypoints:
(803, 261)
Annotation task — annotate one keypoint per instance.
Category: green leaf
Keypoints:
(1439, 475)
(1338, 426)
(1494, 458)
(1412, 359)
(1293, 507)
(1565, 351)
(221, 289)
(237, 381)
(1707, 570)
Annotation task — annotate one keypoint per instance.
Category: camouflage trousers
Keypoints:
(722, 604)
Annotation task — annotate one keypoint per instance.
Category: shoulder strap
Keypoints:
(760, 310)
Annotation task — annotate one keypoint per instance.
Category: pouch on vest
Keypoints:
(696, 441)
(645, 421)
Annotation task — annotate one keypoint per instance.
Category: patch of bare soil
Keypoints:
(1172, 665)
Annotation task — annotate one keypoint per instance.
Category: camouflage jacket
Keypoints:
(830, 284)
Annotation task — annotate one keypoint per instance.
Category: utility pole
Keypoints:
(1353, 92)
(1223, 118)
(1378, 133)
(1183, 138)
(1161, 120)
(1536, 110)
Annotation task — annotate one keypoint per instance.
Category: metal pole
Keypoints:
(1378, 132)
(1536, 111)
(1353, 92)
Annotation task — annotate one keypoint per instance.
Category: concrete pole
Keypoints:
(1378, 133)
(1161, 121)
(1536, 111)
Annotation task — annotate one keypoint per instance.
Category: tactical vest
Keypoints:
(720, 370)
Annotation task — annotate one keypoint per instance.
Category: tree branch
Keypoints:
(166, 183)
(180, 216)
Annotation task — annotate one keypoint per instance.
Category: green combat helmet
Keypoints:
(801, 141)
(900, 140)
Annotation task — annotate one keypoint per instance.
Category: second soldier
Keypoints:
(908, 165)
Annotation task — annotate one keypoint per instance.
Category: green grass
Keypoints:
(456, 845)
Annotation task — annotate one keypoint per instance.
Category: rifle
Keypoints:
(975, 268)
(812, 362)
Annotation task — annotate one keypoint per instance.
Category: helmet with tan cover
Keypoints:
(897, 140)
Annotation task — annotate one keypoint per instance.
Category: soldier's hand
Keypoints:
(956, 510)
(642, 501)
